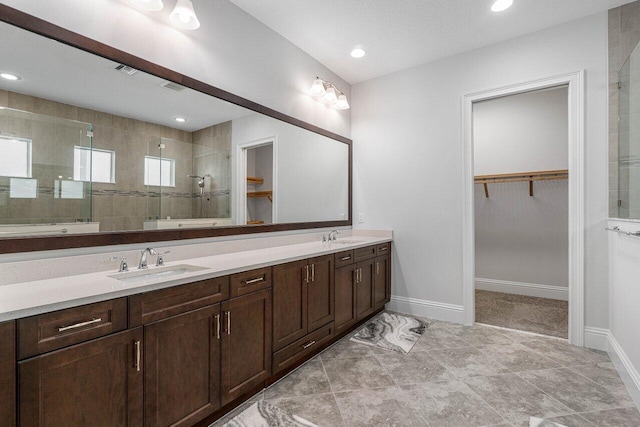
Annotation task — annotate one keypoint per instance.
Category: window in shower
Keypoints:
(159, 171)
(16, 157)
(95, 165)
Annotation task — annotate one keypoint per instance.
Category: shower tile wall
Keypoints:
(123, 205)
(624, 35)
(212, 155)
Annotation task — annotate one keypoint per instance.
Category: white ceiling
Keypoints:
(398, 34)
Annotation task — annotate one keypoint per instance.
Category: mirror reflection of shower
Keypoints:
(201, 185)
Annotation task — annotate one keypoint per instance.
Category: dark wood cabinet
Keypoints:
(246, 343)
(182, 368)
(365, 276)
(381, 282)
(303, 299)
(8, 374)
(345, 300)
(97, 383)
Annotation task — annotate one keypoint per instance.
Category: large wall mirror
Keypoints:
(96, 151)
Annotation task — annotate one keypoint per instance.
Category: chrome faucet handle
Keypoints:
(333, 234)
(324, 238)
(123, 263)
(160, 259)
(143, 257)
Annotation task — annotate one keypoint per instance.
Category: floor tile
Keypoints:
(309, 378)
(625, 417)
(226, 418)
(573, 420)
(377, 407)
(573, 390)
(467, 361)
(517, 357)
(450, 403)
(434, 339)
(345, 348)
(356, 373)
(514, 398)
(414, 367)
(565, 353)
(606, 375)
(320, 409)
(478, 334)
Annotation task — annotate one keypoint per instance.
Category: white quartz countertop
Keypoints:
(42, 296)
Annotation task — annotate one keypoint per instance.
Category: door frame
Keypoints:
(576, 94)
(241, 175)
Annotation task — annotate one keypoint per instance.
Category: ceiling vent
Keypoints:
(173, 86)
(125, 69)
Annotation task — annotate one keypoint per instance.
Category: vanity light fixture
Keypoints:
(180, 119)
(183, 16)
(358, 52)
(9, 76)
(500, 5)
(148, 5)
(328, 93)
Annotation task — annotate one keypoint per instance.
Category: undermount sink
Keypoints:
(156, 273)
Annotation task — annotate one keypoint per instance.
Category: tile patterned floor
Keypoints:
(456, 376)
(539, 315)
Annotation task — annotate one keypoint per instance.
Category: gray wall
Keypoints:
(408, 157)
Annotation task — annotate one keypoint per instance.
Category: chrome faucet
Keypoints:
(334, 233)
(143, 257)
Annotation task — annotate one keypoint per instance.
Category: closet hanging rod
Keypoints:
(619, 231)
(529, 177)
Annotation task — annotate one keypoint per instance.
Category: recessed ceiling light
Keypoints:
(358, 52)
(500, 5)
(9, 76)
(180, 119)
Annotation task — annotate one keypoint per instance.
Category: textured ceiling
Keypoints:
(398, 34)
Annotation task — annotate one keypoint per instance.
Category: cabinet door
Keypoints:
(380, 287)
(345, 300)
(320, 291)
(8, 374)
(98, 383)
(182, 368)
(289, 303)
(246, 343)
(364, 289)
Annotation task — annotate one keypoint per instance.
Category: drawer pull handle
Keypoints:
(136, 346)
(345, 258)
(306, 269)
(217, 317)
(228, 314)
(313, 272)
(79, 325)
(309, 344)
(252, 281)
(384, 249)
(377, 268)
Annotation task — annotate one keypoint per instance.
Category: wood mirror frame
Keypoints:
(37, 243)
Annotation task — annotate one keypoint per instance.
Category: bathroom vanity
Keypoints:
(183, 349)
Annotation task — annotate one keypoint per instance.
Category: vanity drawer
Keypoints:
(383, 249)
(250, 281)
(364, 253)
(301, 348)
(344, 258)
(161, 304)
(51, 331)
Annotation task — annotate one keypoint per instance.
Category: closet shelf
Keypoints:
(254, 180)
(255, 194)
(520, 177)
(255, 222)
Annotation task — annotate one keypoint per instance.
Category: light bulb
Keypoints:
(317, 88)
(330, 97)
(183, 16)
(501, 5)
(342, 103)
(148, 5)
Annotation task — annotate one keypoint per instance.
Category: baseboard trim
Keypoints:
(521, 288)
(628, 372)
(425, 308)
(596, 338)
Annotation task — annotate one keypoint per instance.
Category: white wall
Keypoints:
(231, 50)
(624, 296)
(311, 178)
(408, 156)
(522, 239)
